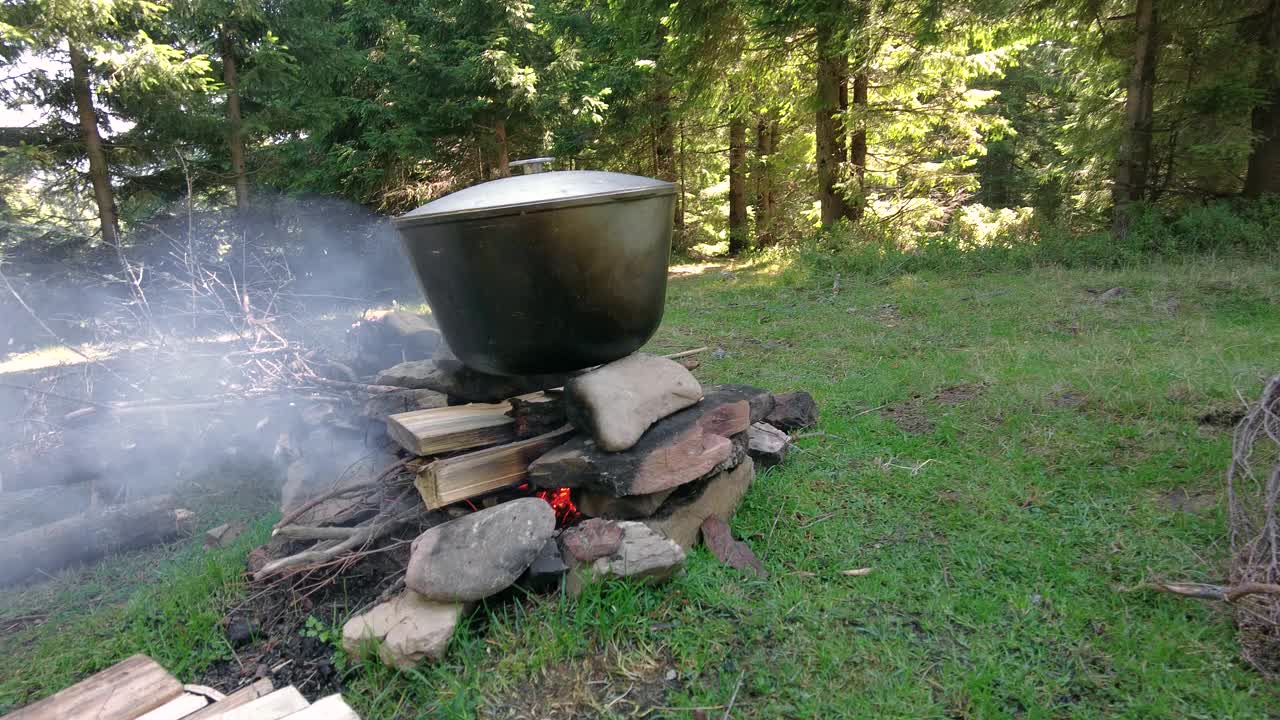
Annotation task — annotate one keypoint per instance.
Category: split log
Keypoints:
(537, 414)
(25, 509)
(243, 696)
(279, 704)
(439, 430)
(332, 707)
(463, 477)
(88, 537)
(123, 691)
(678, 449)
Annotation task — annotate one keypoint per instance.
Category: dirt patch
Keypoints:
(1188, 501)
(957, 394)
(602, 684)
(1067, 398)
(1221, 417)
(886, 315)
(288, 647)
(1108, 295)
(909, 416)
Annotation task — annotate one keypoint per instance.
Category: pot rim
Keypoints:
(601, 198)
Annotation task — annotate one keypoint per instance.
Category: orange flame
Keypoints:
(562, 503)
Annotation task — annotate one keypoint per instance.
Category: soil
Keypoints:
(284, 647)
(594, 686)
(957, 394)
(909, 416)
(1222, 417)
(1193, 502)
(1067, 398)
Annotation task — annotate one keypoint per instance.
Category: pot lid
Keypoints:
(538, 191)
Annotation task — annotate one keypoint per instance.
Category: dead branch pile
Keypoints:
(1253, 493)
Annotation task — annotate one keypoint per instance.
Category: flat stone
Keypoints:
(407, 629)
(475, 556)
(591, 539)
(617, 402)
(224, 533)
(627, 507)
(381, 405)
(678, 449)
(793, 411)
(681, 517)
(446, 374)
(644, 555)
(767, 444)
(547, 570)
(392, 337)
(760, 401)
(734, 553)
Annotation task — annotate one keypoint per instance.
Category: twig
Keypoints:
(686, 353)
(297, 512)
(1222, 593)
(733, 698)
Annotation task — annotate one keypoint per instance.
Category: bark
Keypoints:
(1263, 175)
(1134, 164)
(664, 139)
(501, 161)
(832, 65)
(766, 137)
(858, 147)
(88, 537)
(235, 122)
(99, 175)
(738, 232)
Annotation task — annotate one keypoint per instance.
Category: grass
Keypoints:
(1008, 539)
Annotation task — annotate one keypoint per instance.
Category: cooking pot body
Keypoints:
(547, 291)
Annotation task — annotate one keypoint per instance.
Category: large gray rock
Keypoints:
(477, 555)
(617, 402)
(793, 411)
(644, 555)
(627, 507)
(405, 630)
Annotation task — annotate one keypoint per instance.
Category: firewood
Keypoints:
(537, 414)
(24, 509)
(462, 477)
(243, 696)
(123, 691)
(279, 704)
(88, 537)
(438, 430)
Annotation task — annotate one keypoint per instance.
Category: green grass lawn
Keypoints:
(1008, 531)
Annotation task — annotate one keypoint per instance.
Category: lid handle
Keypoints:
(532, 165)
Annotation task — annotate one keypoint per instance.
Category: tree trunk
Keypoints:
(738, 233)
(1134, 162)
(1263, 175)
(858, 143)
(501, 161)
(88, 537)
(831, 67)
(98, 172)
(235, 124)
(664, 137)
(766, 136)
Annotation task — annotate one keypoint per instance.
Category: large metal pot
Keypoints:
(545, 273)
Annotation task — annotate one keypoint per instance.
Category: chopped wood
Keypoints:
(332, 707)
(123, 691)
(243, 696)
(439, 430)
(177, 708)
(279, 704)
(24, 509)
(537, 413)
(462, 477)
(1223, 593)
(82, 538)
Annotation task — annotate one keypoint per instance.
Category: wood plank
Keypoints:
(279, 704)
(124, 691)
(462, 477)
(438, 430)
(243, 696)
(177, 708)
(332, 707)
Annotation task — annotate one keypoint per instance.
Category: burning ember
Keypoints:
(562, 503)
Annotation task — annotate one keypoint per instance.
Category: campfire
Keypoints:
(617, 471)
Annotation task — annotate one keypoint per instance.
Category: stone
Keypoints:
(617, 402)
(643, 554)
(760, 401)
(546, 571)
(224, 533)
(480, 554)
(767, 444)
(793, 411)
(446, 374)
(627, 507)
(678, 449)
(681, 517)
(591, 539)
(240, 631)
(736, 554)
(378, 407)
(392, 337)
(406, 629)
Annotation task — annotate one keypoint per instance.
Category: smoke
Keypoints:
(173, 364)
